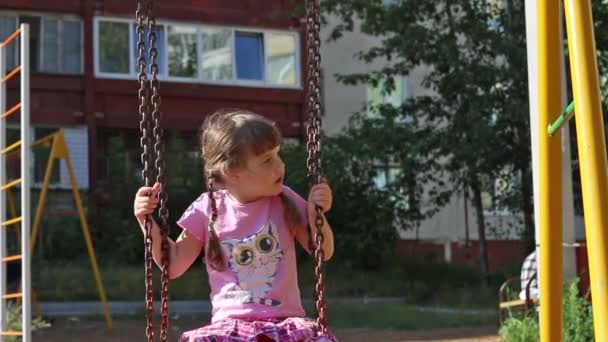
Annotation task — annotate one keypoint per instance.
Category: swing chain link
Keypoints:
(151, 138)
(160, 173)
(313, 25)
(144, 127)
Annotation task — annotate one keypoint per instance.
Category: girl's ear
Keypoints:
(231, 176)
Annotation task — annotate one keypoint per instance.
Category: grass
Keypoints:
(74, 281)
(389, 316)
(403, 317)
(437, 285)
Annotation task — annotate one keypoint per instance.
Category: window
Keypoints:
(113, 47)
(386, 175)
(199, 53)
(249, 56)
(55, 42)
(8, 25)
(71, 54)
(160, 47)
(181, 51)
(34, 23)
(500, 189)
(217, 54)
(61, 46)
(388, 3)
(376, 95)
(281, 58)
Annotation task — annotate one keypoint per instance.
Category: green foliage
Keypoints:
(14, 322)
(523, 329)
(362, 214)
(578, 320)
(472, 127)
(116, 233)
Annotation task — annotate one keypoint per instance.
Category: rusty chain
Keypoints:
(144, 127)
(149, 110)
(313, 43)
(163, 197)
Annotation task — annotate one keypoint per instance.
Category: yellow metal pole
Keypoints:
(551, 273)
(43, 195)
(592, 154)
(60, 151)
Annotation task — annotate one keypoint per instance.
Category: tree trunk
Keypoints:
(527, 207)
(481, 227)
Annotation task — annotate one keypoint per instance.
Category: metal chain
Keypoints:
(149, 110)
(313, 25)
(160, 173)
(144, 127)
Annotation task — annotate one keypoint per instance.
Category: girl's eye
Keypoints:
(267, 161)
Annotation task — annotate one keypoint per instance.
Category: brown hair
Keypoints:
(227, 138)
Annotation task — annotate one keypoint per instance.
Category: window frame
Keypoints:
(60, 43)
(264, 83)
(60, 17)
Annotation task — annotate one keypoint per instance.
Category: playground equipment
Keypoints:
(22, 148)
(151, 141)
(592, 156)
(24, 182)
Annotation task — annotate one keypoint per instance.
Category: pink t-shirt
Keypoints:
(260, 280)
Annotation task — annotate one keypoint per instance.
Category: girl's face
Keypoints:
(262, 176)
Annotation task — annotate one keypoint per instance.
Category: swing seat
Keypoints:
(293, 329)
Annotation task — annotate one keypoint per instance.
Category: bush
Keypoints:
(116, 233)
(522, 329)
(14, 322)
(578, 321)
(362, 215)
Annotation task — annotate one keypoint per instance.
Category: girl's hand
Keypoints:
(320, 195)
(146, 201)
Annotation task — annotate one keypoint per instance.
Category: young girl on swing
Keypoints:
(246, 224)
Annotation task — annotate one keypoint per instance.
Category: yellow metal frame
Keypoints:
(592, 154)
(59, 150)
(592, 157)
(549, 97)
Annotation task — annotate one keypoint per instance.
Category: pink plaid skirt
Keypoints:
(293, 329)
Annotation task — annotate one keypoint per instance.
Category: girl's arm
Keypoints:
(182, 253)
(320, 195)
(302, 235)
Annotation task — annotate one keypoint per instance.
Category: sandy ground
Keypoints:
(131, 330)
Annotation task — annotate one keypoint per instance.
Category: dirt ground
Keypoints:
(127, 330)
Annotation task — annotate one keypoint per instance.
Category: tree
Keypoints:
(361, 214)
(475, 125)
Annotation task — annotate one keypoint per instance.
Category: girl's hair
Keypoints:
(227, 139)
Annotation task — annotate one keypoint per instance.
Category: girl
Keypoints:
(246, 224)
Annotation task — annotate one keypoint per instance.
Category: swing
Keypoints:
(151, 139)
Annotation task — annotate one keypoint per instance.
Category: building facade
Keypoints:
(212, 55)
(451, 234)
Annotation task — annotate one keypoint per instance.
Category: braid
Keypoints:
(214, 255)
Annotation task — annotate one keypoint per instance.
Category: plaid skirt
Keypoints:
(293, 329)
